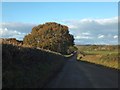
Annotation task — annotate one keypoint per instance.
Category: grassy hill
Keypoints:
(106, 55)
(24, 67)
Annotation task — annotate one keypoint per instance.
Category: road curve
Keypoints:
(77, 74)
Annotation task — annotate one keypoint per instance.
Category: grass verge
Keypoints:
(107, 57)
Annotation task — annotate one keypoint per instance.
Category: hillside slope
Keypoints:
(24, 67)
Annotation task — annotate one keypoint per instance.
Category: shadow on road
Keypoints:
(84, 75)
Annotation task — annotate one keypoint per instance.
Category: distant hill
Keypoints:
(12, 41)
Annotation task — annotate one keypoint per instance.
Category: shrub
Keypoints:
(51, 36)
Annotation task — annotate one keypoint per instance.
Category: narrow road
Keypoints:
(77, 74)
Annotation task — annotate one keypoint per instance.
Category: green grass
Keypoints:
(93, 54)
(100, 52)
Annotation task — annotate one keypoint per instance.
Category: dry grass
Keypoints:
(97, 59)
(108, 58)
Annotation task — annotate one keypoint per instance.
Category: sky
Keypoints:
(89, 22)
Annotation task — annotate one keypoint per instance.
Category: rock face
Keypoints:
(11, 41)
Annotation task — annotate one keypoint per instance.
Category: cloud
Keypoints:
(93, 25)
(100, 30)
(15, 30)
(20, 27)
(85, 31)
(116, 36)
(101, 36)
(83, 37)
(5, 33)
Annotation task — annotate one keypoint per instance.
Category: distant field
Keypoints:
(106, 55)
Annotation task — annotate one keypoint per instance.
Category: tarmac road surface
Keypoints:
(77, 74)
